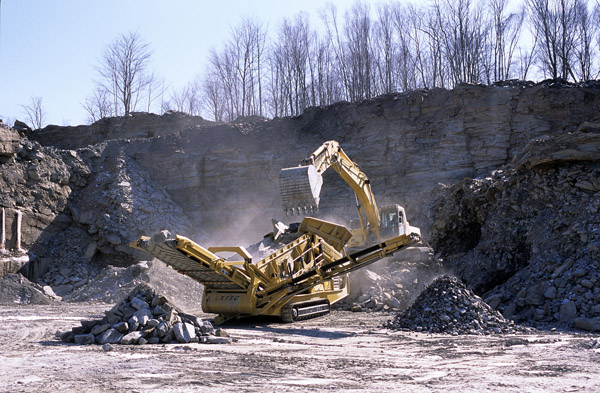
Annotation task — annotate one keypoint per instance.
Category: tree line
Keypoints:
(362, 52)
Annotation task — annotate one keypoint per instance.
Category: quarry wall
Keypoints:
(223, 178)
(406, 143)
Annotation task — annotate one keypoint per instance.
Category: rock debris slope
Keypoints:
(529, 235)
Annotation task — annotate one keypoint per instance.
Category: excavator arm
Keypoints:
(300, 186)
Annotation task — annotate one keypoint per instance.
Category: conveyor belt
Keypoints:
(169, 254)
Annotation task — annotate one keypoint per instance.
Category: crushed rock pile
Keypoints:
(145, 317)
(447, 306)
(16, 289)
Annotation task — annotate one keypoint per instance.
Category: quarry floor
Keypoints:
(343, 351)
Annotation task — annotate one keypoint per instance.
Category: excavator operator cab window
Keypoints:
(389, 219)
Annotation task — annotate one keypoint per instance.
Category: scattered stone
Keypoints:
(153, 340)
(84, 339)
(111, 336)
(138, 303)
(131, 338)
(568, 311)
(184, 332)
(107, 347)
(591, 324)
(100, 328)
(216, 340)
(121, 327)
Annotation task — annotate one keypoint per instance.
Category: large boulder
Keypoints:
(9, 142)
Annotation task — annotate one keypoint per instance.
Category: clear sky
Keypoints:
(49, 48)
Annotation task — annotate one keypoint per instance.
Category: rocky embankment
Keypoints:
(65, 209)
(529, 236)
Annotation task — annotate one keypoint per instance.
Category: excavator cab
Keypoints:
(391, 221)
(394, 222)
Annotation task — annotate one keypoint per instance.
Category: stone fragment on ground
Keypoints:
(132, 322)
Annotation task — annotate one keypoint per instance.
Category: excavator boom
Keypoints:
(300, 186)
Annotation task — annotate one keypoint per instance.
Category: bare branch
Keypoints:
(36, 116)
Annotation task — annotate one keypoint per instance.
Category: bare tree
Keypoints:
(359, 51)
(247, 42)
(154, 92)
(124, 71)
(222, 71)
(553, 21)
(383, 50)
(505, 34)
(187, 100)
(293, 71)
(329, 18)
(98, 104)
(464, 34)
(525, 59)
(239, 68)
(7, 120)
(585, 59)
(36, 115)
(213, 98)
(414, 58)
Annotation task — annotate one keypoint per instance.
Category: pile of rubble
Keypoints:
(447, 306)
(145, 317)
(527, 237)
(16, 289)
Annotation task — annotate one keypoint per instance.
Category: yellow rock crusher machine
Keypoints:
(299, 281)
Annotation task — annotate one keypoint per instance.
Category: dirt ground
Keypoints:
(343, 351)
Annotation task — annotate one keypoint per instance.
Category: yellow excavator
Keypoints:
(300, 188)
(300, 280)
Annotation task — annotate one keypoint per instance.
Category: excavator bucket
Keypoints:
(300, 188)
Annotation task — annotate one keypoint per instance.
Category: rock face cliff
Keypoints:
(406, 143)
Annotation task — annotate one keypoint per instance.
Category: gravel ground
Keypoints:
(343, 351)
